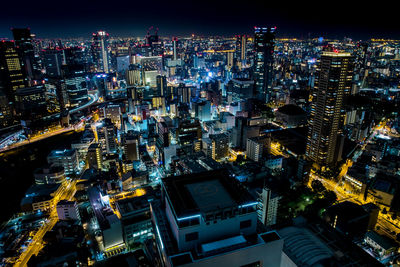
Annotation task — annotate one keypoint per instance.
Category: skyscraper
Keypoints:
(264, 49)
(100, 54)
(94, 156)
(25, 49)
(241, 43)
(333, 83)
(174, 41)
(10, 69)
(53, 60)
(267, 207)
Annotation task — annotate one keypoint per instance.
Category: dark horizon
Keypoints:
(297, 20)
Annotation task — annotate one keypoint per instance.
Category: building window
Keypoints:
(245, 224)
(191, 236)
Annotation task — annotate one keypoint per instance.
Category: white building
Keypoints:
(267, 208)
(66, 158)
(68, 210)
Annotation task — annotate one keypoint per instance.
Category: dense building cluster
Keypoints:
(203, 151)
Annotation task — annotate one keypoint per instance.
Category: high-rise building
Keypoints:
(174, 41)
(219, 145)
(264, 49)
(267, 206)
(241, 43)
(326, 119)
(53, 60)
(202, 110)
(189, 132)
(135, 75)
(161, 85)
(99, 49)
(113, 112)
(131, 146)
(106, 136)
(257, 146)
(11, 72)
(75, 88)
(229, 60)
(110, 136)
(30, 102)
(24, 45)
(94, 156)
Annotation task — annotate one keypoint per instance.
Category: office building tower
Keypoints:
(174, 41)
(163, 134)
(208, 219)
(76, 90)
(257, 147)
(219, 146)
(243, 48)
(99, 50)
(94, 156)
(241, 88)
(189, 133)
(30, 102)
(122, 63)
(184, 93)
(241, 43)
(267, 208)
(229, 60)
(77, 60)
(242, 131)
(11, 72)
(202, 109)
(110, 136)
(24, 45)
(131, 146)
(113, 112)
(264, 59)
(53, 61)
(326, 119)
(135, 75)
(162, 85)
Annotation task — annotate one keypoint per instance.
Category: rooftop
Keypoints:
(204, 192)
(132, 205)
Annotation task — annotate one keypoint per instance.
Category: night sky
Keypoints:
(334, 19)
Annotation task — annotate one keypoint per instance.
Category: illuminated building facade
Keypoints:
(10, 69)
(332, 85)
(264, 49)
(94, 156)
(24, 45)
(100, 53)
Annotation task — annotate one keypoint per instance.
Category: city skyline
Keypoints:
(222, 134)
